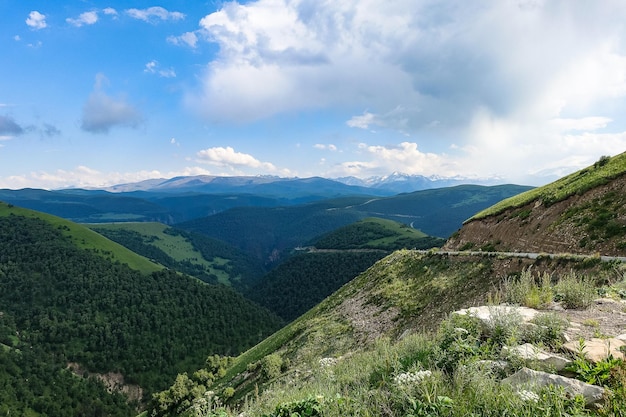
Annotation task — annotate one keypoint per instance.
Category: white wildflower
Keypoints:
(327, 362)
(410, 378)
(528, 396)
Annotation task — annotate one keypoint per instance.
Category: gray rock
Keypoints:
(531, 353)
(529, 379)
(486, 313)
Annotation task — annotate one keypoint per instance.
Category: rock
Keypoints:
(493, 366)
(596, 349)
(621, 337)
(486, 313)
(605, 301)
(547, 360)
(492, 316)
(527, 378)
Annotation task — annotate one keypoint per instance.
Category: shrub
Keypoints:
(310, 407)
(548, 329)
(526, 292)
(575, 291)
(271, 366)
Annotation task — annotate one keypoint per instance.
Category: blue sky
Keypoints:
(98, 93)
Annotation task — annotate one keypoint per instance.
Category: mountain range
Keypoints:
(90, 327)
(394, 183)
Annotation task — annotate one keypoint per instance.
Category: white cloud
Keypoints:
(152, 67)
(109, 11)
(152, 14)
(83, 176)
(17, 38)
(404, 157)
(36, 20)
(362, 122)
(235, 161)
(102, 112)
(508, 82)
(87, 18)
(189, 39)
(322, 146)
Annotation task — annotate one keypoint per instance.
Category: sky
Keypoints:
(96, 93)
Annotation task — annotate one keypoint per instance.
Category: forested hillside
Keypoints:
(74, 305)
(332, 260)
(270, 233)
(205, 258)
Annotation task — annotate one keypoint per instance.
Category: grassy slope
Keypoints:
(370, 233)
(175, 246)
(420, 290)
(576, 183)
(86, 238)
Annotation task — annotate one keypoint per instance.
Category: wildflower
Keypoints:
(409, 378)
(528, 396)
(327, 362)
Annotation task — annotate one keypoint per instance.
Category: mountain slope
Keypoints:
(207, 259)
(405, 293)
(584, 212)
(85, 238)
(269, 232)
(74, 305)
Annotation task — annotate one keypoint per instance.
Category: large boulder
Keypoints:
(529, 379)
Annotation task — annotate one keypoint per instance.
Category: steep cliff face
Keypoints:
(593, 221)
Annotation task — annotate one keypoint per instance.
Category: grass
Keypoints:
(576, 183)
(325, 369)
(571, 289)
(176, 246)
(86, 238)
(403, 378)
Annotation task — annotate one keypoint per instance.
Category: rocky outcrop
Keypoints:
(554, 364)
(529, 379)
(532, 354)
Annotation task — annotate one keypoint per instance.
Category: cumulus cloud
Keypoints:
(486, 77)
(109, 11)
(102, 112)
(228, 157)
(8, 126)
(87, 18)
(36, 20)
(404, 157)
(153, 14)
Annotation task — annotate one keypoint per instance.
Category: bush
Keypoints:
(526, 292)
(548, 330)
(575, 291)
(310, 407)
(271, 366)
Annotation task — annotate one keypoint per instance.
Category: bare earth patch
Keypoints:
(113, 381)
(368, 320)
(604, 318)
